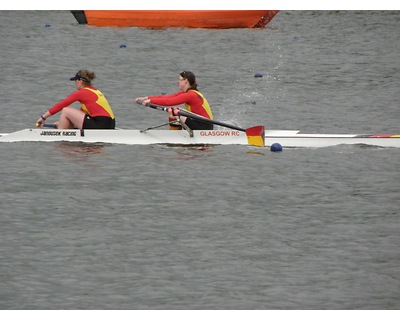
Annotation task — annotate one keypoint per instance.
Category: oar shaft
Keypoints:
(203, 119)
(179, 112)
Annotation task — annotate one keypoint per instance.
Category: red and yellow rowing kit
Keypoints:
(92, 102)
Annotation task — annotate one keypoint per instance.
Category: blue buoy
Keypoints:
(258, 75)
(276, 147)
(122, 46)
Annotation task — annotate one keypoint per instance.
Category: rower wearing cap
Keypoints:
(95, 111)
(189, 95)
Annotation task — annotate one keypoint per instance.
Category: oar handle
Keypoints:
(155, 106)
(47, 125)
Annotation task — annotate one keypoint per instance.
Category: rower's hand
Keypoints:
(40, 122)
(142, 100)
(173, 112)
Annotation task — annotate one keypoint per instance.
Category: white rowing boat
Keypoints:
(256, 135)
(286, 138)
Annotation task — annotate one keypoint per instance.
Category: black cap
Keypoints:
(79, 77)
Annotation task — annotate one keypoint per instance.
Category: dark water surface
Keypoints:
(224, 227)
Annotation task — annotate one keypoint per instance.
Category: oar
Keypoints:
(255, 135)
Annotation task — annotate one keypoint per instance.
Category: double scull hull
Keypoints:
(286, 138)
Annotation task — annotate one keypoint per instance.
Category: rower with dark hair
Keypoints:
(190, 96)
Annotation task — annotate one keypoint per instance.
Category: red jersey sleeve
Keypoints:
(73, 97)
(81, 95)
(174, 99)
